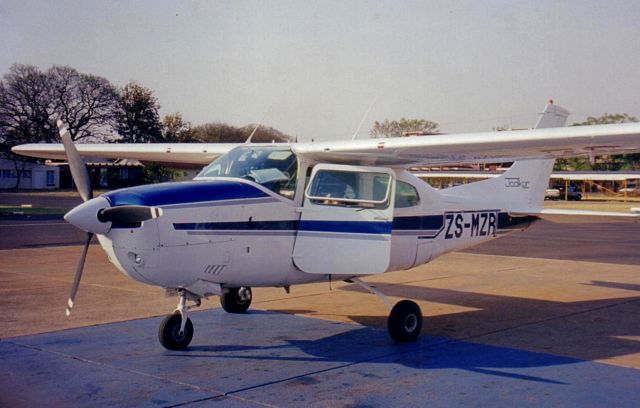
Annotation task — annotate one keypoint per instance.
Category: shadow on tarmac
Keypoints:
(587, 330)
(373, 346)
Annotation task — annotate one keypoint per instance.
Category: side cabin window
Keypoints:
(275, 168)
(406, 195)
(350, 189)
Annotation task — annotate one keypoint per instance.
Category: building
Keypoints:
(33, 176)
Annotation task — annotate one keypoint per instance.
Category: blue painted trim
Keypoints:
(354, 227)
(183, 193)
(291, 225)
(417, 223)
(423, 222)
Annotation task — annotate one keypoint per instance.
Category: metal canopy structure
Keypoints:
(588, 178)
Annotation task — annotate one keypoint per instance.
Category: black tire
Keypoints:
(405, 321)
(233, 302)
(169, 333)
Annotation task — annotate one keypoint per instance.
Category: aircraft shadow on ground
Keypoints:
(372, 350)
(523, 334)
(587, 330)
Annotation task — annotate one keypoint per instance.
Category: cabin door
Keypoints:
(346, 220)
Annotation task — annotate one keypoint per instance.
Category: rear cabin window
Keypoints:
(406, 195)
(348, 188)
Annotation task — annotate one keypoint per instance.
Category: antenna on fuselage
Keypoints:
(363, 118)
(251, 135)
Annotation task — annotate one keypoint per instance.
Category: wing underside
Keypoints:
(580, 216)
(170, 153)
(488, 147)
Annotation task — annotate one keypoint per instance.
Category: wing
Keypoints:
(488, 147)
(169, 153)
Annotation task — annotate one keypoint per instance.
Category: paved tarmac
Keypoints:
(270, 359)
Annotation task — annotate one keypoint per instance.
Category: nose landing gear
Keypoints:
(176, 330)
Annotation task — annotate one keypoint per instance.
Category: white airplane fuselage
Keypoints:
(234, 232)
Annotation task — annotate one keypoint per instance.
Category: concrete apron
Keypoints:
(583, 310)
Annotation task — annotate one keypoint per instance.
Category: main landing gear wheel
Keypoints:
(170, 335)
(236, 300)
(405, 321)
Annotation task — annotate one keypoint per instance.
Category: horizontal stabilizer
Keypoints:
(580, 216)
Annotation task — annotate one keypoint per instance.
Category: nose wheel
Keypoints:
(172, 336)
(176, 330)
(236, 300)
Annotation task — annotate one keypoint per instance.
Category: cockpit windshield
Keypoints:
(275, 168)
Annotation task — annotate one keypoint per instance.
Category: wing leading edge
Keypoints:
(170, 153)
(487, 147)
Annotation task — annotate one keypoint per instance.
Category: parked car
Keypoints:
(552, 194)
(632, 190)
(558, 193)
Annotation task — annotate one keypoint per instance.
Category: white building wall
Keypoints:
(34, 176)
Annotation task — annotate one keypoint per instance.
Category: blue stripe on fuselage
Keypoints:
(183, 193)
(409, 224)
(353, 227)
(291, 225)
(422, 222)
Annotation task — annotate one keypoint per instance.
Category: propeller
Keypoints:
(79, 171)
(80, 176)
(76, 279)
(128, 214)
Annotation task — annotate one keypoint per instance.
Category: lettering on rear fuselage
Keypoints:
(470, 224)
(516, 182)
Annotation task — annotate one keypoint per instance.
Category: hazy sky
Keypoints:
(311, 69)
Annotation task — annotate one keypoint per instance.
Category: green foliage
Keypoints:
(157, 173)
(216, 132)
(607, 119)
(399, 128)
(603, 163)
(177, 130)
(137, 118)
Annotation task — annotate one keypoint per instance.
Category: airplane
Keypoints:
(277, 215)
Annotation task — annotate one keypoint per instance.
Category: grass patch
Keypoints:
(13, 210)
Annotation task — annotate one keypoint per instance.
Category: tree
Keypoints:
(604, 163)
(607, 119)
(264, 134)
(177, 130)
(27, 105)
(157, 173)
(85, 103)
(31, 101)
(400, 128)
(137, 118)
(216, 132)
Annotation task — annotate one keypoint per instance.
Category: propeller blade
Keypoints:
(128, 214)
(78, 169)
(79, 269)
